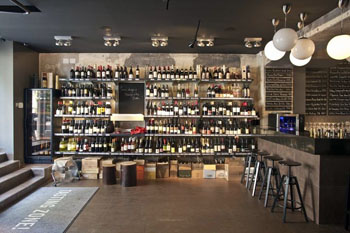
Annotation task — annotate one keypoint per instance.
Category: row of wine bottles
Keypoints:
(192, 109)
(102, 72)
(87, 126)
(163, 91)
(157, 145)
(233, 91)
(206, 73)
(79, 90)
(157, 73)
(205, 127)
(84, 108)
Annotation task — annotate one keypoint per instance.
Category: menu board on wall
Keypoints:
(339, 90)
(316, 91)
(279, 89)
(131, 97)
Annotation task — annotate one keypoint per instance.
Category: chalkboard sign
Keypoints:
(316, 91)
(131, 97)
(279, 89)
(339, 90)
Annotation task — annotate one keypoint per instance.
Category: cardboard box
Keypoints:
(197, 170)
(186, 166)
(209, 167)
(90, 164)
(197, 174)
(140, 172)
(118, 168)
(209, 174)
(139, 162)
(173, 168)
(90, 176)
(150, 171)
(185, 173)
(162, 170)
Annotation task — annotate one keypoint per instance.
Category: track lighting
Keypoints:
(202, 42)
(63, 41)
(161, 41)
(251, 42)
(111, 41)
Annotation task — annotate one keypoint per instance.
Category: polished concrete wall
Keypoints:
(26, 64)
(6, 98)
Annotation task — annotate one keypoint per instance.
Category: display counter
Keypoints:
(323, 174)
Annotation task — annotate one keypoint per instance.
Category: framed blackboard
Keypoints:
(279, 89)
(131, 97)
(316, 91)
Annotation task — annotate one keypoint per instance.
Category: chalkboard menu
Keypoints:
(131, 97)
(339, 91)
(316, 89)
(279, 89)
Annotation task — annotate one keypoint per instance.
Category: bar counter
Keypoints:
(322, 175)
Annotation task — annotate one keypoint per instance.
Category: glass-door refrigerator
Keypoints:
(40, 104)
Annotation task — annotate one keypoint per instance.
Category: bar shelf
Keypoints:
(98, 135)
(226, 98)
(86, 98)
(83, 116)
(173, 135)
(234, 116)
(156, 116)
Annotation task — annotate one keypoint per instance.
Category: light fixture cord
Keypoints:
(341, 21)
(285, 20)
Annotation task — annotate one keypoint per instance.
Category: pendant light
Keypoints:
(270, 50)
(286, 38)
(304, 47)
(299, 62)
(338, 47)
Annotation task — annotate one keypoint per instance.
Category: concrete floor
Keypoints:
(184, 205)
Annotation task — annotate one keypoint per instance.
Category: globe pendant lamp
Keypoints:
(338, 47)
(298, 62)
(304, 47)
(285, 38)
(270, 51)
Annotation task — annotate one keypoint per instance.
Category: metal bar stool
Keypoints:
(289, 181)
(249, 159)
(259, 170)
(271, 172)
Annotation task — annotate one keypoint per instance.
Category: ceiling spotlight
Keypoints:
(111, 41)
(202, 42)
(159, 41)
(250, 42)
(63, 41)
(163, 43)
(210, 43)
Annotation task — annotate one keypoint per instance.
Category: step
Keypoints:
(15, 178)
(8, 166)
(17, 193)
(3, 157)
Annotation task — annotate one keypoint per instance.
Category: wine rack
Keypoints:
(279, 89)
(316, 91)
(339, 91)
(199, 99)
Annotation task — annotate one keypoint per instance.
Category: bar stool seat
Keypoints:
(289, 181)
(259, 170)
(271, 172)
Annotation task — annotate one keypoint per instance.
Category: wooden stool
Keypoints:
(128, 176)
(109, 174)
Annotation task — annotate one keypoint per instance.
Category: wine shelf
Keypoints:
(156, 116)
(98, 135)
(83, 116)
(152, 154)
(86, 98)
(228, 98)
(234, 116)
(173, 135)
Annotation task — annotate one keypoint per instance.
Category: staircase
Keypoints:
(16, 182)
